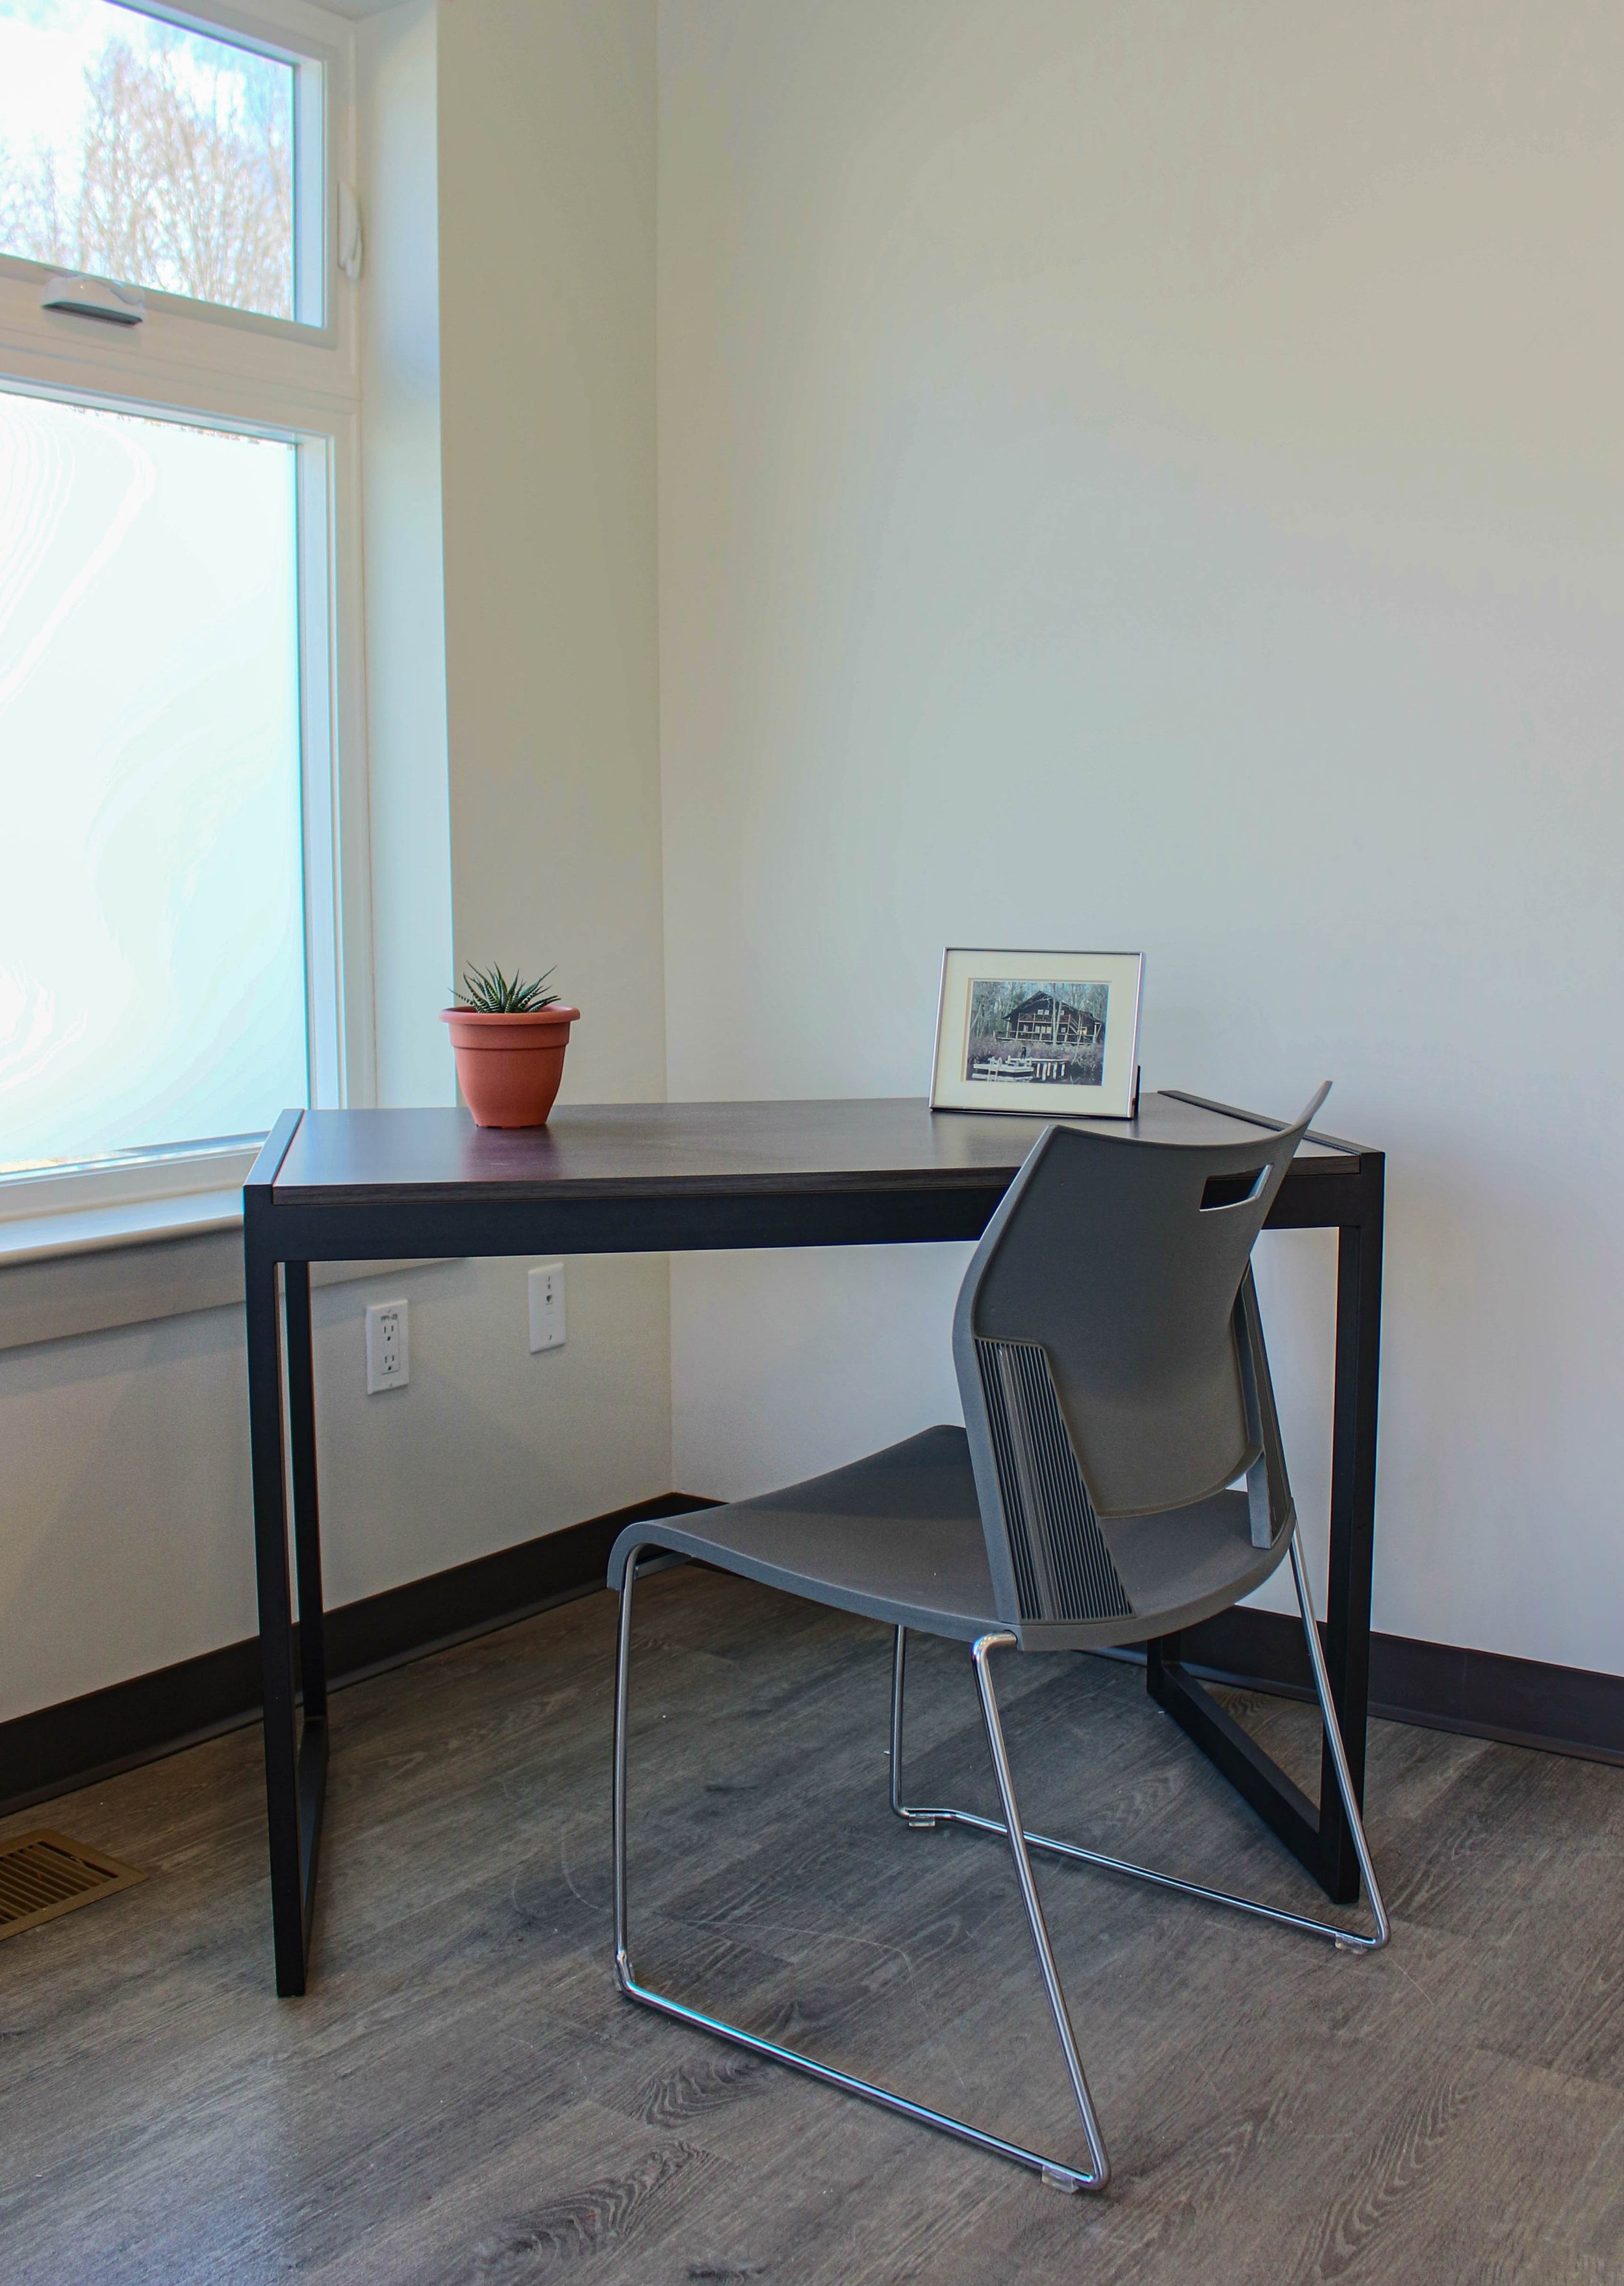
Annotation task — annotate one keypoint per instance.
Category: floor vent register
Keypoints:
(42, 1874)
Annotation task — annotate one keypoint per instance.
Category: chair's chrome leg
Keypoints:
(1345, 1940)
(899, 1668)
(1054, 2171)
(981, 1652)
(623, 1678)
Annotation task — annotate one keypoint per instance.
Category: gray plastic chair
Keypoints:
(1111, 1362)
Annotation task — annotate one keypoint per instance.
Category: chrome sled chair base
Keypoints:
(1059, 2174)
(1345, 1940)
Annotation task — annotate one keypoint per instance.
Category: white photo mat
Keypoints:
(1055, 1035)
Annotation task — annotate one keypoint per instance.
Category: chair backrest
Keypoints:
(1109, 1355)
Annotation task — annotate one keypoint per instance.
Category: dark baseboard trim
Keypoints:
(58, 1748)
(1561, 1710)
(1523, 1702)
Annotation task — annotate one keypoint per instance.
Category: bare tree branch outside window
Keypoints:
(183, 178)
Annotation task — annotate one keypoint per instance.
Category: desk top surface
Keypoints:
(637, 1148)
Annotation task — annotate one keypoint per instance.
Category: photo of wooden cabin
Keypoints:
(1050, 1033)
(1044, 1016)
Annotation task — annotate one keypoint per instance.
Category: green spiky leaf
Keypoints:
(488, 992)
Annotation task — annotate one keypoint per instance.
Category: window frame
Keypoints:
(201, 363)
(320, 69)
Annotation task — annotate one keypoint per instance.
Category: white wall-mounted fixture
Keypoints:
(349, 232)
(94, 297)
(389, 1346)
(547, 1307)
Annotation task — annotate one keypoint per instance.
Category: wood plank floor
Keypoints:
(462, 2096)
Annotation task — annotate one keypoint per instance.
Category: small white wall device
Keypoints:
(547, 1307)
(389, 1347)
(349, 232)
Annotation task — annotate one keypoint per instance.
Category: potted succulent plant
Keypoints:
(509, 1039)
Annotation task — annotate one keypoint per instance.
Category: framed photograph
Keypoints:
(1056, 1033)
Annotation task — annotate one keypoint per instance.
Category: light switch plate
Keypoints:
(546, 1326)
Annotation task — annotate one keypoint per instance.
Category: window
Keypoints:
(134, 149)
(152, 939)
(183, 863)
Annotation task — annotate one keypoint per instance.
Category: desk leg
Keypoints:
(275, 1614)
(307, 1553)
(1353, 1546)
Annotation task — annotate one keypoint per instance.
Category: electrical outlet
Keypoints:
(389, 1346)
(547, 1307)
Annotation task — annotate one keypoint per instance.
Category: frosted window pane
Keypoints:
(136, 151)
(151, 942)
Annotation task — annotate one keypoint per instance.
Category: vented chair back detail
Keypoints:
(1111, 1362)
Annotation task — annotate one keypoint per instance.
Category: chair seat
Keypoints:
(898, 1537)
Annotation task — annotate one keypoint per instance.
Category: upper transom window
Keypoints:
(139, 149)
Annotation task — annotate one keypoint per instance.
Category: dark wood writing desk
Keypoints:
(624, 1178)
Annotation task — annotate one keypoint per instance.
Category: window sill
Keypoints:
(94, 1269)
(94, 1230)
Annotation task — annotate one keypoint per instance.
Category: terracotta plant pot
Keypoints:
(510, 1067)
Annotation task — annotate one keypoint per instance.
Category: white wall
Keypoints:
(546, 326)
(124, 1462)
(1196, 431)
(1197, 426)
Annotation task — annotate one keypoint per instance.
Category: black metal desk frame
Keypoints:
(1344, 1192)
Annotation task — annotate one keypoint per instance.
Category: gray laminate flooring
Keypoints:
(462, 2096)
